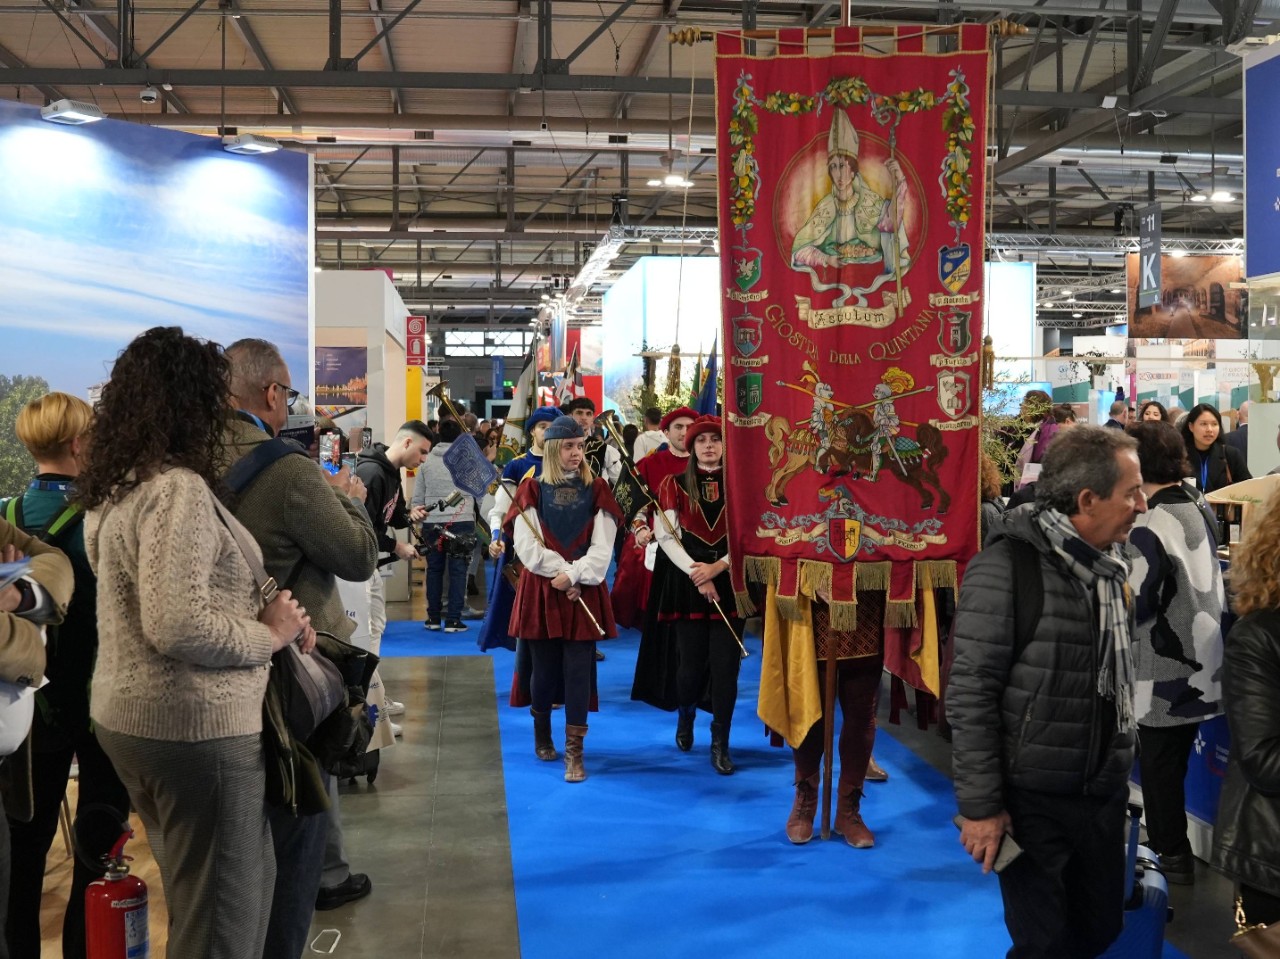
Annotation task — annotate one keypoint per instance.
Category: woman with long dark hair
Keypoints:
(1214, 464)
(1152, 411)
(697, 543)
(185, 640)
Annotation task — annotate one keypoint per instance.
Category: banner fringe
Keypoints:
(844, 617)
(900, 615)
(746, 608)
(874, 576)
(937, 574)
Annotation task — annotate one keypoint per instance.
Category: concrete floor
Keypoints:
(431, 832)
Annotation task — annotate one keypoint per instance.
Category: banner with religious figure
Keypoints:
(851, 218)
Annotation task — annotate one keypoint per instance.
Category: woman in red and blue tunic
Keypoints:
(563, 524)
(708, 654)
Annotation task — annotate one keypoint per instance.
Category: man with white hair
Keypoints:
(1119, 413)
(1239, 437)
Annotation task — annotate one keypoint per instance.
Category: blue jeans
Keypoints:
(438, 559)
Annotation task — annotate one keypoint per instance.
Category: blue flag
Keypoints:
(706, 404)
(468, 468)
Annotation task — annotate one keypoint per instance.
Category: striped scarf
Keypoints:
(1107, 573)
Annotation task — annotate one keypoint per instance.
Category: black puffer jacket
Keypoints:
(1246, 842)
(1038, 723)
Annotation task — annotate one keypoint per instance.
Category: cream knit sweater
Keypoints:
(181, 656)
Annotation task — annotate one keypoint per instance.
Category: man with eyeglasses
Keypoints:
(313, 529)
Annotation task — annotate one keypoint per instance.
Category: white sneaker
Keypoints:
(397, 730)
(393, 708)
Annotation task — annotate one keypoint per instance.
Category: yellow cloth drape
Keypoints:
(790, 698)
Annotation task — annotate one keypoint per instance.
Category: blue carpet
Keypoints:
(655, 854)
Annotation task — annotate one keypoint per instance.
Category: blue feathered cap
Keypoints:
(543, 414)
(564, 428)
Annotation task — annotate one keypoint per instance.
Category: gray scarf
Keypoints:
(1107, 573)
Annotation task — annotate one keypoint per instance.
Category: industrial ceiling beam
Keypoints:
(99, 24)
(11, 60)
(384, 43)
(250, 39)
(1149, 97)
(656, 39)
(360, 79)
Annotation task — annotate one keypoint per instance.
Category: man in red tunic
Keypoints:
(632, 582)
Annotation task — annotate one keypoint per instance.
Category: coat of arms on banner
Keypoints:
(750, 392)
(844, 535)
(954, 266)
(955, 394)
(953, 332)
(746, 333)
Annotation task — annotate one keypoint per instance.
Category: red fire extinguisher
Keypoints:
(115, 910)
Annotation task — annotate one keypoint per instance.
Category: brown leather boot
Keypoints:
(805, 807)
(543, 747)
(876, 773)
(849, 819)
(573, 771)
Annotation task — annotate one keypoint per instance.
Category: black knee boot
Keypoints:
(684, 727)
(720, 760)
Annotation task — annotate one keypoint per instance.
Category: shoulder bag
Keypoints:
(311, 686)
(1257, 941)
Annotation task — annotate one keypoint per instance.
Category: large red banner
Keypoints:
(851, 212)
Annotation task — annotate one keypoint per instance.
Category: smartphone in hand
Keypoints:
(1009, 849)
(331, 450)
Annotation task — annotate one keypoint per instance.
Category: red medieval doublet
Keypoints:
(541, 611)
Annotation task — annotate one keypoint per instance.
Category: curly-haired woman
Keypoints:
(1246, 841)
(184, 640)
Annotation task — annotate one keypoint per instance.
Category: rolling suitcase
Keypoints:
(1146, 903)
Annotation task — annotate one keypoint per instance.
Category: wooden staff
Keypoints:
(828, 726)
(631, 467)
(543, 543)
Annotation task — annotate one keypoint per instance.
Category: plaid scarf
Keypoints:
(1107, 573)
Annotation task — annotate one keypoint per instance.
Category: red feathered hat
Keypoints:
(703, 424)
(681, 412)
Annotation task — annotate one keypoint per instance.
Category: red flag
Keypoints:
(851, 212)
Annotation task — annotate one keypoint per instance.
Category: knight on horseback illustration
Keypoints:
(884, 417)
(838, 439)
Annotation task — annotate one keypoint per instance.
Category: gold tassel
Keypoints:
(789, 607)
(900, 615)
(673, 371)
(844, 617)
(762, 569)
(988, 363)
(874, 576)
(746, 608)
(814, 576)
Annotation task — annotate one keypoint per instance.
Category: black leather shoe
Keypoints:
(1179, 869)
(357, 886)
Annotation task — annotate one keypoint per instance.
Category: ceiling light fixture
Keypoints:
(1076, 316)
(1199, 198)
(72, 112)
(250, 144)
(1222, 196)
(1066, 292)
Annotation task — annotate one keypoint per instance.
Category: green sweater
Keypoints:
(297, 517)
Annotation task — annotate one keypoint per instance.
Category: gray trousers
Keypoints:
(202, 805)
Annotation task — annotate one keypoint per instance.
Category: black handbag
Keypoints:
(311, 689)
(310, 686)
